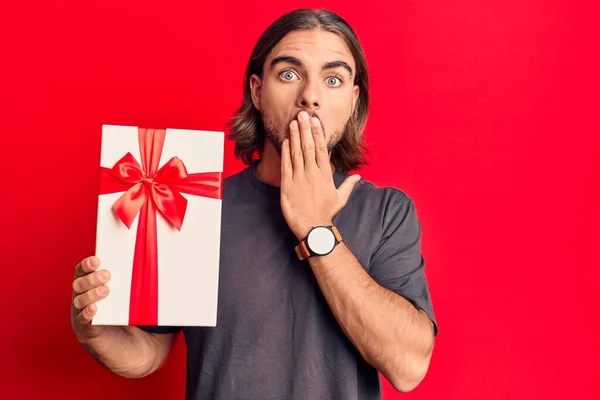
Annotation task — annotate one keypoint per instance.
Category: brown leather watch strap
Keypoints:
(302, 251)
(338, 237)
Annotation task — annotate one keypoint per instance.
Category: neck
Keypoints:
(268, 169)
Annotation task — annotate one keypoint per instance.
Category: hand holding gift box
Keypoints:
(158, 233)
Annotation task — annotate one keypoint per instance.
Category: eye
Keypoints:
(288, 75)
(334, 81)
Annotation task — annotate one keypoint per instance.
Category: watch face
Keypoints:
(321, 240)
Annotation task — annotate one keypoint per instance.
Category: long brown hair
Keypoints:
(246, 126)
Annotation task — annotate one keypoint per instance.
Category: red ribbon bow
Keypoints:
(147, 191)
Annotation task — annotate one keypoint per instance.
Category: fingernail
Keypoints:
(103, 290)
(303, 115)
(314, 121)
(103, 275)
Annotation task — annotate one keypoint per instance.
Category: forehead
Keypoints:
(314, 46)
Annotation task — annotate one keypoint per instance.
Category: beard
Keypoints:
(276, 138)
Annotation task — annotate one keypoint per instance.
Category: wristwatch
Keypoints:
(320, 241)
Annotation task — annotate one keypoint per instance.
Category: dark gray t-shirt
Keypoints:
(276, 337)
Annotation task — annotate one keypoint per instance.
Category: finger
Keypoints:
(295, 149)
(346, 187)
(306, 141)
(85, 317)
(91, 296)
(322, 154)
(87, 265)
(286, 161)
(90, 281)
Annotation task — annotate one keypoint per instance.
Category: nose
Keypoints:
(310, 97)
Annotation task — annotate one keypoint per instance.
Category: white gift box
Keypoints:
(184, 280)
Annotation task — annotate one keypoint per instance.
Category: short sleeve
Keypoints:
(160, 329)
(397, 263)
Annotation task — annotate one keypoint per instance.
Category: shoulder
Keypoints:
(231, 180)
(234, 182)
(386, 199)
(385, 208)
(394, 214)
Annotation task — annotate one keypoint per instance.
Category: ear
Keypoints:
(355, 93)
(255, 87)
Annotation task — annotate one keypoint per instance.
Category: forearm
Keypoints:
(389, 332)
(129, 351)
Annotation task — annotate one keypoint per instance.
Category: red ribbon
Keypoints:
(148, 190)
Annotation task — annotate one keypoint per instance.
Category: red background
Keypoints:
(486, 113)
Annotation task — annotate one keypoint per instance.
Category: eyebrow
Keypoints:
(298, 63)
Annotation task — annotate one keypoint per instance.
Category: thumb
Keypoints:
(346, 187)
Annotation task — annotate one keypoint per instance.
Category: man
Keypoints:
(322, 280)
